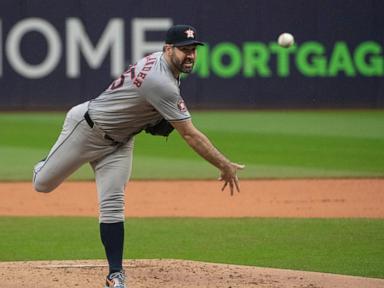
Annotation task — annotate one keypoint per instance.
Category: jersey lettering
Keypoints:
(120, 81)
(137, 82)
(141, 75)
(117, 83)
(150, 61)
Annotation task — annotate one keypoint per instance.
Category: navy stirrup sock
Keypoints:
(112, 236)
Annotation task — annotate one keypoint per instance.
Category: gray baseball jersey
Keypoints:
(141, 97)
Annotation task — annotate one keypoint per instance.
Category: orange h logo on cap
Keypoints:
(190, 33)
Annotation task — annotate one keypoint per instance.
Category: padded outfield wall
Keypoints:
(54, 54)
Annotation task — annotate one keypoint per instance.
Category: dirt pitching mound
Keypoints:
(170, 274)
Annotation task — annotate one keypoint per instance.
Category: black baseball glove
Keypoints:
(163, 128)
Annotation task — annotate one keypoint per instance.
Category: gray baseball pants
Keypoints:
(78, 144)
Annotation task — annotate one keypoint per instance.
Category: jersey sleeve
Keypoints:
(165, 97)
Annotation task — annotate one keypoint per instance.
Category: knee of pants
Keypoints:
(112, 211)
(39, 184)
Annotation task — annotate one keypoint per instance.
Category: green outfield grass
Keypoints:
(271, 144)
(343, 246)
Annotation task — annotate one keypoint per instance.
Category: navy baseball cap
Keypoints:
(182, 35)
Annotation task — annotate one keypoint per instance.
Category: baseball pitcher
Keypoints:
(101, 132)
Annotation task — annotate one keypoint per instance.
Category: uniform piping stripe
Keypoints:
(179, 120)
(53, 152)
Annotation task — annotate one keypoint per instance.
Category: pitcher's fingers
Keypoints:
(231, 187)
(239, 166)
(237, 185)
(225, 185)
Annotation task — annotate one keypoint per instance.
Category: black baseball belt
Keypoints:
(91, 124)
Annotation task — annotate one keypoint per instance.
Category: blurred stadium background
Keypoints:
(55, 54)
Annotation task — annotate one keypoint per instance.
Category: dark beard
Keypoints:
(180, 65)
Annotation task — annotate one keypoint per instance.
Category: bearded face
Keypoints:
(183, 58)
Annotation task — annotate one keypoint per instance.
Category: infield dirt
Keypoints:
(362, 198)
(258, 198)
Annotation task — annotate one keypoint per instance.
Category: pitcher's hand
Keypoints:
(229, 176)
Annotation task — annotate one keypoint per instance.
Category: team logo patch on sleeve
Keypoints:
(181, 105)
